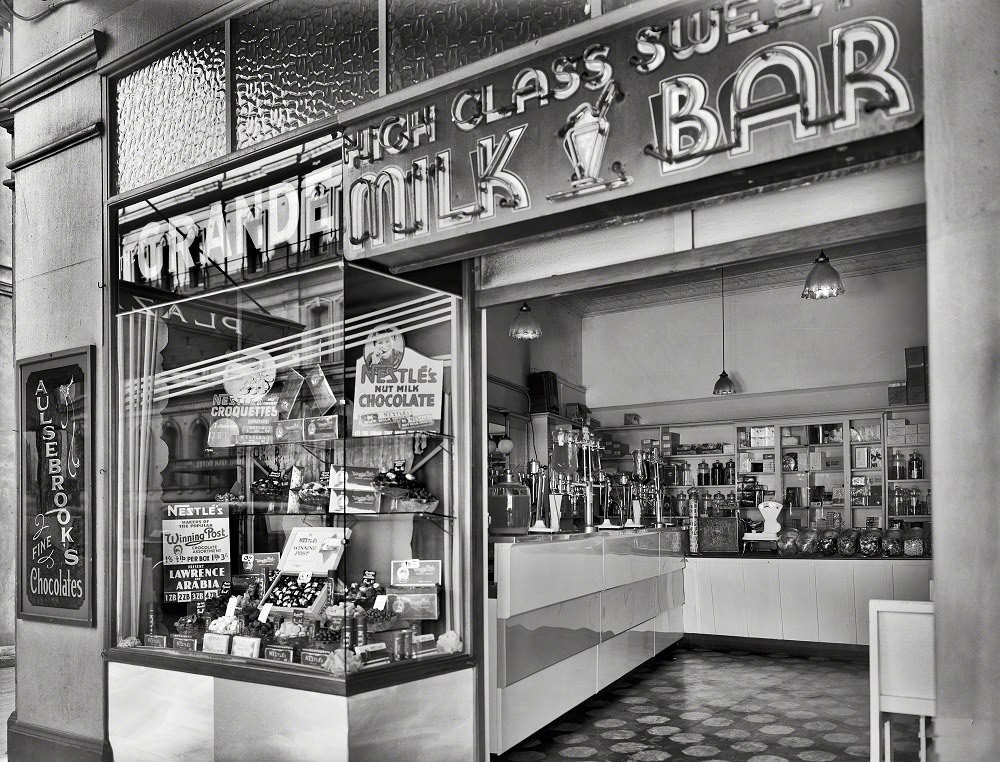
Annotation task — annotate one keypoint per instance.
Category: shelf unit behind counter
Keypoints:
(818, 466)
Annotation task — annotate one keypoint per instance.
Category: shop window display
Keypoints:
(286, 452)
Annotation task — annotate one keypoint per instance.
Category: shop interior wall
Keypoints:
(507, 362)
(786, 354)
(58, 240)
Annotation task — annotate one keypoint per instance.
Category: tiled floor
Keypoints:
(712, 705)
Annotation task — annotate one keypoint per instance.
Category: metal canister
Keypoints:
(348, 636)
(361, 631)
(407, 644)
(399, 646)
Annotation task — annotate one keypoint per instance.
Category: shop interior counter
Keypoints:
(572, 613)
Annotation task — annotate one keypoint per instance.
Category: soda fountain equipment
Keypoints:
(562, 474)
(591, 466)
(647, 477)
(655, 462)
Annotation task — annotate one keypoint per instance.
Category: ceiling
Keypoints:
(896, 252)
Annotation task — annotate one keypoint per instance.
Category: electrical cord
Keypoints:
(41, 14)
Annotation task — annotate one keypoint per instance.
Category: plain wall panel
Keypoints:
(799, 606)
(764, 609)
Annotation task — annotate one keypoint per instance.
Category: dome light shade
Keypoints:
(724, 385)
(824, 281)
(525, 326)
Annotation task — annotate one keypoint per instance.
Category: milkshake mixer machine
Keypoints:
(647, 484)
(575, 475)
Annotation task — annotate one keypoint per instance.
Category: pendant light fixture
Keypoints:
(725, 384)
(824, 281)
(525, 326)
(506, 444)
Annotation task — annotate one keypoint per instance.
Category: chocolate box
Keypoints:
(415, 572)
(415, 602)
(307, 558)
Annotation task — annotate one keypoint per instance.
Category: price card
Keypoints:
(231, 606)
(298, 616)
(265, 612)
(314, 657)
(199, 607)
(185, 643)
(304, 577)
(246, 646)
(380, 602)
(368, 576)
(279, 653)
(254, 562)
(155, 641)
(215, 643)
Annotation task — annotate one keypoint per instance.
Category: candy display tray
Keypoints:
(311, 610)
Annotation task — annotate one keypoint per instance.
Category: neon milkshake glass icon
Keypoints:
(586, 136)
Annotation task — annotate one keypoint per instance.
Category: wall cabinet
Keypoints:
(826, 470)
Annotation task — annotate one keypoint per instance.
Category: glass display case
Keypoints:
(287, 493)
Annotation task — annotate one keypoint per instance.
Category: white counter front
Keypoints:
(571, 615)
(823, 600)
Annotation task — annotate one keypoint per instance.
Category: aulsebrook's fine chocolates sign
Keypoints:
(56, 515)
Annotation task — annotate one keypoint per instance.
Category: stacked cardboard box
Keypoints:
(900, 432)
(916, 375)
(915, 390)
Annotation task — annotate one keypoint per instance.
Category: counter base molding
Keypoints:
(571, 617)
(156, 714)
(28, 741)
(770, 646)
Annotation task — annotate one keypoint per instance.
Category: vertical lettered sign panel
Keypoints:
(55, 517)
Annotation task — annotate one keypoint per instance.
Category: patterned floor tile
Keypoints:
(690, 703)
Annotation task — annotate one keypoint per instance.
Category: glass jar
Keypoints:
(730, 472)
(916, 502)
(847, 542)
(681, 503)
(807, 541)
(913, 545)
(927, 503)
(899, 501)
(688, 479)
(916, 466)
(897, 469)
(704, 477)
(892, 543)
(718, 504)
(718, 473)
(870, 542)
